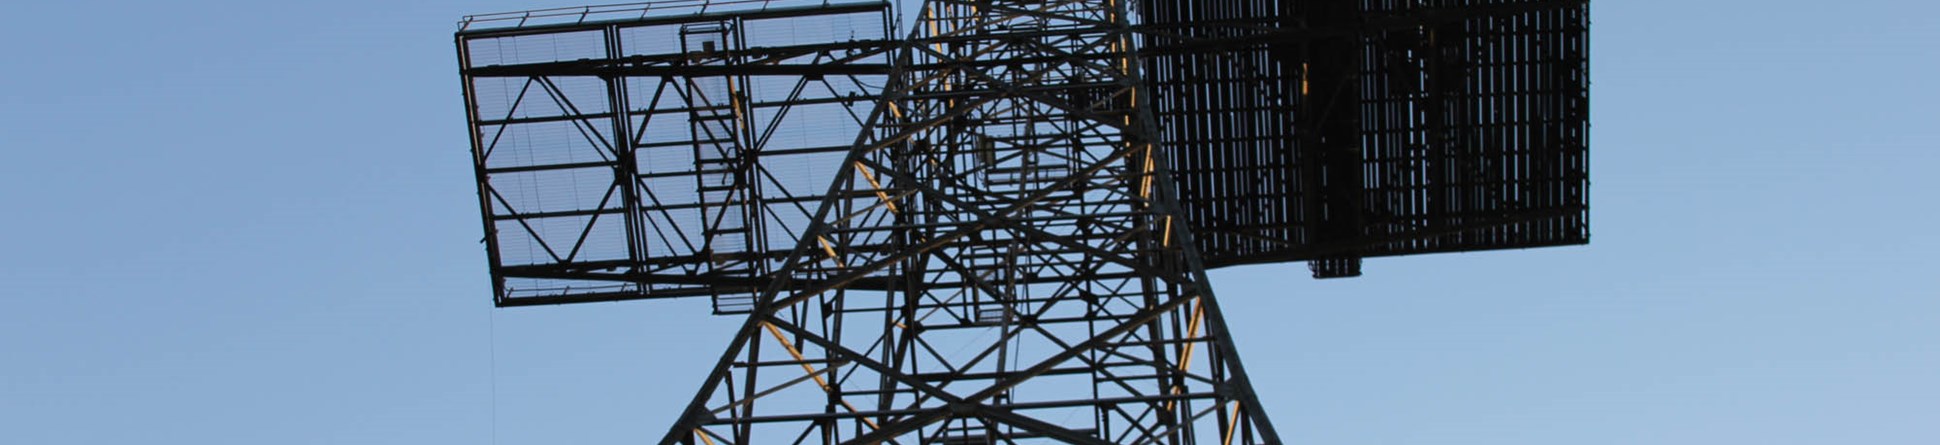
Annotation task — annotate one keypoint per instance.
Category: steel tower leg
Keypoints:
(1031, 278)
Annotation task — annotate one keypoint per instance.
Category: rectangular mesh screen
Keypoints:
(1476, 127)
(661, 149)
(1471, 115)
(1227, 116)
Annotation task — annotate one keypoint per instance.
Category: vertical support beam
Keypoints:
(626, 164)
(1329, 134)
(478, 168)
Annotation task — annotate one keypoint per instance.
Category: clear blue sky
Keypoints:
(254, 222)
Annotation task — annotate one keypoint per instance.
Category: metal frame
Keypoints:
(1026, 201)
(1301, 133)
(703, 198)
(1025, 195)
(1330, 131)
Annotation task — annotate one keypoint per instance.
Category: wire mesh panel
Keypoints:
(661, 149)
(1330, 131)
(1475, 128)
(1228, 112)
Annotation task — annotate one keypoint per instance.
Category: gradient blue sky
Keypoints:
(254, 222)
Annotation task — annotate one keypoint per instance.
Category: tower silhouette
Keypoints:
(997, 228)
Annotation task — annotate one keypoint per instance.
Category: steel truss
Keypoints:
(1320, 131)
(1033, 278)
(974, 234)
(657, 157)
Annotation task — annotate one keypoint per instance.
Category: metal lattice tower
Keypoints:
(1040, 284)
(996, 230)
